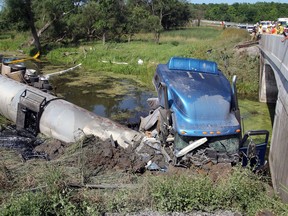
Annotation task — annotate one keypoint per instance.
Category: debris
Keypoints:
(152, 166)
(103, 186)
(191, 147)
(149, 121)
(113, 62)
(247, 44)
(166, 156)
(47, 76)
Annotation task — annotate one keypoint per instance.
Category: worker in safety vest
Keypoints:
(268, 29)
(280, 29)
(273, 30)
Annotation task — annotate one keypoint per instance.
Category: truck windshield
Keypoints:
(228, 144)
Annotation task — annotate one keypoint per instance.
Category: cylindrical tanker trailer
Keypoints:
(37, 111)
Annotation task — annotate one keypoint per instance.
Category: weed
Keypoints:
(241, 191)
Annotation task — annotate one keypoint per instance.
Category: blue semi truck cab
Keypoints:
(196, 102)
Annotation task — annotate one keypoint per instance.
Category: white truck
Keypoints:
(284, 23)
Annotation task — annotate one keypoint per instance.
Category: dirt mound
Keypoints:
(105, 155)
(96, 154)
(52, 148)
(91, 156)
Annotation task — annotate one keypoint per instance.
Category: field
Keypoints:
(92, 177)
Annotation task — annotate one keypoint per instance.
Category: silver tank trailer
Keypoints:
(61, 119)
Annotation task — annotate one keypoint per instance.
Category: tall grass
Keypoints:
(198, 33)
(12, 41)
(241, 191)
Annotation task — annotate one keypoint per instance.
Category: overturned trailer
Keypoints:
(197, 112)
(38, 111)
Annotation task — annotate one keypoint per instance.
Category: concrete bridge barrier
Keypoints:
(273, 87)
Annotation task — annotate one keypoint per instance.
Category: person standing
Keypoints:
(268, 30)
(273, 30)
(280, 29)
(259, 32)
(285, 37)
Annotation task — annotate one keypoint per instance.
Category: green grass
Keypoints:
(13, 41)
(240, 191)
(196, 33)
(192, 43)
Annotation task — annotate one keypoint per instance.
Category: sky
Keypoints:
(234, 1)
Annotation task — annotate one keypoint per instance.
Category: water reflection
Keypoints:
(125, 106)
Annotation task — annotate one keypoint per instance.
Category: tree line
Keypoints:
(241, 12)
(83, 20)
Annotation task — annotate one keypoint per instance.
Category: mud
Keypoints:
(20, 140)
(98, 157)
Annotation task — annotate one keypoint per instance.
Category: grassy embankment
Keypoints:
(239, 190)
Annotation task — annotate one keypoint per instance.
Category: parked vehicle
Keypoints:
(284, 23)
(250, 28)
(198, 110)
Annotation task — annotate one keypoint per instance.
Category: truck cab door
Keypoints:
(253, 148)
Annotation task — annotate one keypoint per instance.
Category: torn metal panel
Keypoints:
(191, 147)
(149, 121)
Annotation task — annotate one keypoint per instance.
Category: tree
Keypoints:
(178, 15)
(20, 12)
(165, 14)
(81, 24)
(136, 15)
(197, 12)
(110, 17)
(53, 15)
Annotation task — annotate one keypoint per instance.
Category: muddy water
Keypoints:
(124, 100)
(118, 98)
